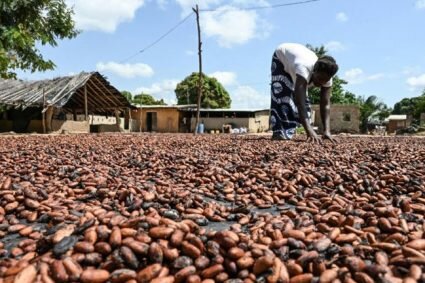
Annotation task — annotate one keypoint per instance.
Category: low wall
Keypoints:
(70, 126)
(108, 128)
(57, 126)
(6, 125)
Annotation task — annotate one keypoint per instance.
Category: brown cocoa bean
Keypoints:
(122, 275)
(262, 264)
(27, 275)
(160, 232)
(148, 273)
(212, 271)
(184, 273)
(302, 278)
(94, 276)
(115, 238)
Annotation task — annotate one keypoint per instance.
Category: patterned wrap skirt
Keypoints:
(284, 118)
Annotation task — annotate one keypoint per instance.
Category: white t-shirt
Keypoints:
(298, 60)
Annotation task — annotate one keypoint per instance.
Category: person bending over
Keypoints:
(294, 69)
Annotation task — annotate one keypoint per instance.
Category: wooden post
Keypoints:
(140, 119)
(49, 117)
(129, 120)
(198, 106)
(43, 112)
(86, 108)
(117, 119)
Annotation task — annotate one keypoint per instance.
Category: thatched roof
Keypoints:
(64, 92)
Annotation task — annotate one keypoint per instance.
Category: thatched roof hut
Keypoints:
(85, 92)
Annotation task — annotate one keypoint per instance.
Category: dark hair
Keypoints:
(327, 65)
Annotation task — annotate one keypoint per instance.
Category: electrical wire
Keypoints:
(212, 10)
(264, 7)
(159, 39)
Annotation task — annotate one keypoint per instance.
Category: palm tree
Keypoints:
(320, 51)
(372, 109)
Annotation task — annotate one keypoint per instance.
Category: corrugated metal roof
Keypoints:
(396, 118)
(63, 92)
(163, 106)
(229, 110)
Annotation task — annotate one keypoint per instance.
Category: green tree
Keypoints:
(320, 51)
(26, 24)
(146, 99)
(420, 108)
(339, 95)
(411, 106)
(142, 99)
(371, 108)
(127, 95)
(214, 95)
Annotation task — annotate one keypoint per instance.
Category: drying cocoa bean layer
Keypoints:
(183, 208)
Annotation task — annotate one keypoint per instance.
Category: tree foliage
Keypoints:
(127, 95)
(26, 24)
(339, 94)
(412, 106)
(142, 99)
(146, 99)
(371, 108)
(214, 95)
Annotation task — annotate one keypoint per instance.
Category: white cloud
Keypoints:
(417, 82)
(342, 17)
(246, 97)
(103, 15)
(420, 4)
(411, 70)
(126, 70)
(357, 76)
(228, 24)
(225, 78)
(334, 46)
(245, 26)
(161, 90)
(243, 96)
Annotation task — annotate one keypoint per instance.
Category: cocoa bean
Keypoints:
(94, 276)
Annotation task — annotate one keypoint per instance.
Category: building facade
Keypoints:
(218, 120)
(397, 122)
(343, 118)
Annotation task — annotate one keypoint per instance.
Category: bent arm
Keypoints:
(300, 96)
(325, 108)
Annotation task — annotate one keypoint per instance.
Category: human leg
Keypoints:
(283, 112)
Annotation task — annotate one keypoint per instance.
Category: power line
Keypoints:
(211, 10)
(264, 7)
(159, 39)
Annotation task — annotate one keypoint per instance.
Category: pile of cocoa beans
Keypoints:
(183, 208)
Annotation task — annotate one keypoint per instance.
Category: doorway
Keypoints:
(151, 120)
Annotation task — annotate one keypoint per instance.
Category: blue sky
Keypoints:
(378, 44)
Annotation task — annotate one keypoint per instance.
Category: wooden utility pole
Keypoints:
(198, 107)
